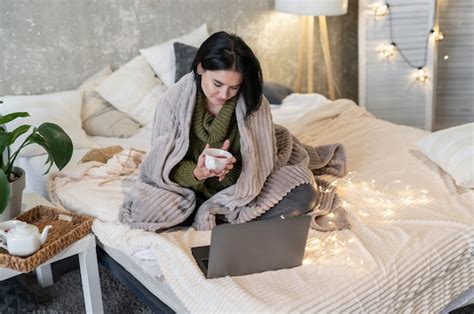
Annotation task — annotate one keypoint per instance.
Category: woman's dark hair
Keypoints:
(224, 51)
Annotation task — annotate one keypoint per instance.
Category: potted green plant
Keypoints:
(50, 136)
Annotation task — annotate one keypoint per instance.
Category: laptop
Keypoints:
(253, 247)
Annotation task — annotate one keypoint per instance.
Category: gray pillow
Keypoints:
(184, 59)
(275, 92)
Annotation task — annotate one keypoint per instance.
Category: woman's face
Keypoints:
(220, 86)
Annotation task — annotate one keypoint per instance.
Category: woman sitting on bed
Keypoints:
(220, 105)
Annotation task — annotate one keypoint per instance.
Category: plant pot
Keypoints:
(16, 192)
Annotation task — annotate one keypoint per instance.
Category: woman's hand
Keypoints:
(202, 173)
(230, 163)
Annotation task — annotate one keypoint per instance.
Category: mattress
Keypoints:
(147, 271)
(410, 246)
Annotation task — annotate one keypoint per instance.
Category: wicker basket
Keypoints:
(66, 229)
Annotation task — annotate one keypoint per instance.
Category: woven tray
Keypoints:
(61, 235)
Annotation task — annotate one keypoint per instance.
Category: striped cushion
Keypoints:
(453, 150)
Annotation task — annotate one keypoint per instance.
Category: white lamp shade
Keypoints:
(312, 7)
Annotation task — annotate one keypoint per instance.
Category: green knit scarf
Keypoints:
(209, 128)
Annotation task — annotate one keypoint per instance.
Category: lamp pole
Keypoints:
(327, 55)
(310, 55)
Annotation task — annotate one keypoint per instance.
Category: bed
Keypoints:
(410, 246)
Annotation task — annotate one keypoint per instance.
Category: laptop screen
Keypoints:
(257, 246)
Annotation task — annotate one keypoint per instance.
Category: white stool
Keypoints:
(84, 248)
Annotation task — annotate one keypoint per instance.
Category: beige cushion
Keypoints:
(453, 150)
(133, 89)
(111, 123)
(92, 102)
(99, 118)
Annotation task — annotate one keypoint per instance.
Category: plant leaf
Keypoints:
(4, 191)
(3, 147)
(12, 116)
(36, 138)
(59, 144)
(13, 135)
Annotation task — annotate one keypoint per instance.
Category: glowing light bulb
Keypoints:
(421, 75)
(446, 57)
(389, 50)
(315, 242)
(380, 9)
(438, 35)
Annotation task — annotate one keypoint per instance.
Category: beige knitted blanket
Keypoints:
(273, 163)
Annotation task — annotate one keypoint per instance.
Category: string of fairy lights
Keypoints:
(391, 49)
(365, 202)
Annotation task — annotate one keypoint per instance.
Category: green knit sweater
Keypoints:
(212, 130)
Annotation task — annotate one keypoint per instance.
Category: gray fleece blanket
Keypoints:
(273, 163)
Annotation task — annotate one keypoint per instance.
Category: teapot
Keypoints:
(23, 239)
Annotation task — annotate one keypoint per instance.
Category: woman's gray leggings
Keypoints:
(298, 202)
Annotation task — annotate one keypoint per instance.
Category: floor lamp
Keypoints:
(309, 9)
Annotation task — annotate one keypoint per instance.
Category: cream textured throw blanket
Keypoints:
(274, 163)
(410, 246)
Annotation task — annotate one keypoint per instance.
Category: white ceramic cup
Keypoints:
(216, 159)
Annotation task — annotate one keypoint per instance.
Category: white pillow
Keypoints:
(162, 58)
(133, 89)
(62, 108)
(453, 150)
(145, 110)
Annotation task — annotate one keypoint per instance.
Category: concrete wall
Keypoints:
(52, 45)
